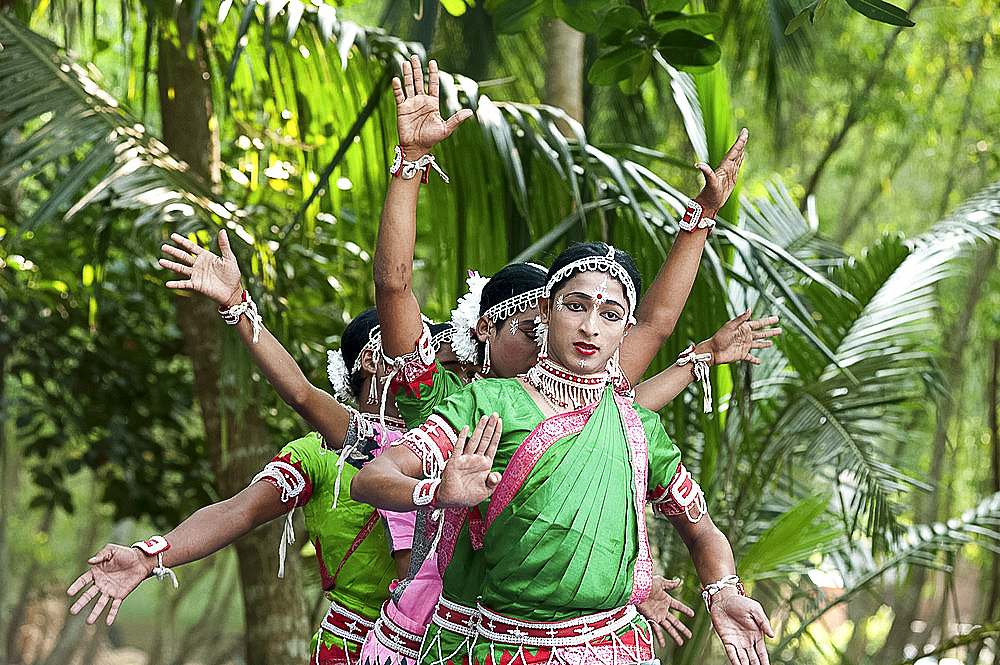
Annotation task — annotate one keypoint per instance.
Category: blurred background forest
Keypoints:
(857, 469)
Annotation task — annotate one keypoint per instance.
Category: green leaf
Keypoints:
(804, 17)
(616, 65)
(702, 24)
(683, 48)
(639, 71)
(657, 6)
(454, 7)
(617, 23)
(791, 540)
(513, 16)
(582, 15)
(882, 11)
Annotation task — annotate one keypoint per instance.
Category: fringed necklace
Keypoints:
(564, 389)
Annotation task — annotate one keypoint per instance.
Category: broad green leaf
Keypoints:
(617, 23)
(639, 71)
(702, 24)
(683, 48)
(581, 15)
(882, 11)
(616, 65)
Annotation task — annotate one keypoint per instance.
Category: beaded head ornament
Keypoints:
(466, 315)
(606, 263)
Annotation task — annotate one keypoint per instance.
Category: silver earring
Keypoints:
(513, 326)
(486, 358)
(559, 303)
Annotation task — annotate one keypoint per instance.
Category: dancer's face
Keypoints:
(513, 348)
(587, 318)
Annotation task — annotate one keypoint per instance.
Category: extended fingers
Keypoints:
(432, 78)
(190, 246)
(418, 75)
(680, 607)
(98, 608)
(397, 90)
(486, 429)
(658, 633)
(178, 253)
(179, 268)
(225, 249)
(113, 612)
(79, 583)
(82, 601)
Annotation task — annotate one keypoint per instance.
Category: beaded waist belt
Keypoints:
(571, 632)
(346, 624)
(457, 618)
(398, 639)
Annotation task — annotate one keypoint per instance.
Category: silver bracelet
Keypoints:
(247, 306)
(709, 590)
(425, 492)
(700, 370)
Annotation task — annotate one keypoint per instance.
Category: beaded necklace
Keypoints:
(563, 389)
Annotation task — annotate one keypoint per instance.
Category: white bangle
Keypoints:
(156, 546)
(247, 306)
(425, 492)
(693, 218)
(709, 590)
(408, 170)
(700, 370)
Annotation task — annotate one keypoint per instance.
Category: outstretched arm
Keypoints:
(740, 621)
(420, 128)
(219, 278)
(733, 342)
(661, 306)
(117, 570)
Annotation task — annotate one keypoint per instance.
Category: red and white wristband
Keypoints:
(408, 170)
(425, 492)
(248, 307)
(693, 218)
(700, 371)
(156, 546)
(709, 590)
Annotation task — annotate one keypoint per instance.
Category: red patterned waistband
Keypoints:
(571, 632)
(457, 618)
(346, 624)
(396, 638)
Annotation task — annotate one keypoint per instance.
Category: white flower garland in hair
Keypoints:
(340, 375)
(465, 316)
(336, 371)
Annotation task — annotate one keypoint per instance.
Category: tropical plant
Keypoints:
(530, 190)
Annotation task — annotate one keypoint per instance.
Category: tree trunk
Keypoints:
(564, 69)
(277, 627)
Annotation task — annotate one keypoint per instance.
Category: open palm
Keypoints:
(418, 115)
(467, 479)
(217, 277)
(115, 572)
(742, 625)
(735, 340)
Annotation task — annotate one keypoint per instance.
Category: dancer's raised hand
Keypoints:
(741, 624)
(739, 336)
(657, 609)
(467, 478)
(115, 572)
(720, 182)
(418, 112)
(217, 277)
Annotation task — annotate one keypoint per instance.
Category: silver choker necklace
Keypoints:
(562, 388)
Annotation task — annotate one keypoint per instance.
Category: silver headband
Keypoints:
(606, 264)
